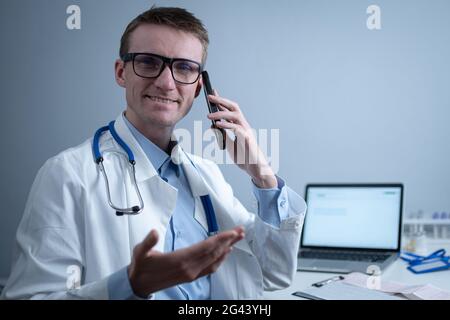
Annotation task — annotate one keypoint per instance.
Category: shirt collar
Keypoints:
(156, 156)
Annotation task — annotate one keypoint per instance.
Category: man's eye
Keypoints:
(148, 62)
(185, 67)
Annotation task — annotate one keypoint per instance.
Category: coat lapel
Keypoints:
(144, 168)
(159, 197)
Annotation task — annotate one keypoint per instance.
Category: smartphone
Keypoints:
(212, 107)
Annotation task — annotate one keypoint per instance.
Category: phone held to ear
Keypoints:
(212, 107)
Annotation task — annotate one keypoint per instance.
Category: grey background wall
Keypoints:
(352, 105)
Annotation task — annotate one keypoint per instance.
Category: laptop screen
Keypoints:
(356, 216)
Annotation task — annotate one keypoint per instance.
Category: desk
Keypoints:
(395, 272)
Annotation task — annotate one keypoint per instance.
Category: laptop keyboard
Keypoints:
(344, 255)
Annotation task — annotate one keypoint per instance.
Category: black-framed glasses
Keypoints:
(149, 65)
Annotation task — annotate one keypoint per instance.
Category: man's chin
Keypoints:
(162, 122)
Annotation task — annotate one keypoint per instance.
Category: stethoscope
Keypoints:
(206, 199)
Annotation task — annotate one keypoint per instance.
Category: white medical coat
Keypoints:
(68, 226)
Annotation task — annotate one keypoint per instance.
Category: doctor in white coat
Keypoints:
(71, 245)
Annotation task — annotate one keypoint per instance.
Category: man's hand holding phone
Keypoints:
(244, 150)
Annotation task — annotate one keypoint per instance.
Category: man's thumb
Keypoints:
(150, 240)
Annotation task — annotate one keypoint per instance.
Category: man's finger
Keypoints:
(225, 115)
(215, 264)
(207, 251)
(232, 236)
(207, 255)
(228, 104)
(149, 242)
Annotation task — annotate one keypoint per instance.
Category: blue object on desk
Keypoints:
(436, 261)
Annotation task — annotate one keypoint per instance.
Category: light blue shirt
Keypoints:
(183, 229)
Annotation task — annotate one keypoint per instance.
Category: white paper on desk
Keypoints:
(415, 292)
(426, 292)
(374, 282)
(341, 291)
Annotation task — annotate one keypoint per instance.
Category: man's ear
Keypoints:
(119, 70)
(199, 87)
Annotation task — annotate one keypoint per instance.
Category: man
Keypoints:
(71, 245)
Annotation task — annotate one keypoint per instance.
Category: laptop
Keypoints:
(351, 227)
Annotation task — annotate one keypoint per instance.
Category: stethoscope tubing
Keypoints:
(213, 227)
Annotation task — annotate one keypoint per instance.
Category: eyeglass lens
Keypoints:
(149, 66)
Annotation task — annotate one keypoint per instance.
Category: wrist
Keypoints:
(266, 182)
(139, 292)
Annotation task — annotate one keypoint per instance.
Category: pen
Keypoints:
(306, 296)
(327, 281)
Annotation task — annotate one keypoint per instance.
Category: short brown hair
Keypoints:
(177, 18)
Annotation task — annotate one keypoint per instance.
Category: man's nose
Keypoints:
(165, 80)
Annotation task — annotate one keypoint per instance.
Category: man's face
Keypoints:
(159, 102)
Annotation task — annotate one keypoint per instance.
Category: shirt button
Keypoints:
(283, 203)
(178, 234)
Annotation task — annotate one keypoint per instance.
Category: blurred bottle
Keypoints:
(410, 244)
(446, 227)
(420, 215)
(420, 240)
